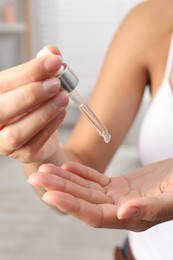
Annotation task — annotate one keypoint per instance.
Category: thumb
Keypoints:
(150, 209)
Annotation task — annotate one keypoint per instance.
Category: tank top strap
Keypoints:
(169, 60)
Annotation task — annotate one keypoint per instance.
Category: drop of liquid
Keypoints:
(106, 137)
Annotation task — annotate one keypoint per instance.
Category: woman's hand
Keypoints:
(135, 201)
(32, 106)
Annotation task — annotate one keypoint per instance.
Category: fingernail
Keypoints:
(51, 62)
(130, 213)
(46, 199)
(61, 99)
(43, 52)
(31, 181)
(51, 85)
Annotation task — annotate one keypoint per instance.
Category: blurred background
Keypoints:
(82, 30)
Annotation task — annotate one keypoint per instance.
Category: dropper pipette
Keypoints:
(69, 81)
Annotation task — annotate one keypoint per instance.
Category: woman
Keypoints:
(141, 54)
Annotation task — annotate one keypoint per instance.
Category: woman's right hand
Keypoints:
(32, 106)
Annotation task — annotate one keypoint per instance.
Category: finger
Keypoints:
(47, 50)
(53, 169)
(26, 98)
(41, 146)
(13, 136)
(86, 173)
(35, 70)
(52, 182)
(52, 49)
(93, 214)
(150, 208)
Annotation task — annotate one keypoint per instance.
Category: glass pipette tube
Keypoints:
(85, 109)
(69, 82)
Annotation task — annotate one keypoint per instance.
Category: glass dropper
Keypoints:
(69, 81)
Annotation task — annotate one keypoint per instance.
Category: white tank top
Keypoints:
(156, 143)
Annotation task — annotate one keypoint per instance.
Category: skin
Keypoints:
(135, 201)
(126, 71)
(32, 107)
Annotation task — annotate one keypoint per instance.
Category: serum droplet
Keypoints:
(106, 137)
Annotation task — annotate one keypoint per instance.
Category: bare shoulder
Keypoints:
(146, 25)
(153, 16)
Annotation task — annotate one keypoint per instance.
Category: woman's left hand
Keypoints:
(135, 201)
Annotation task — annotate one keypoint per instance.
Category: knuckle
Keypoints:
(47, 113)
(29, 98)
(29, 74)
(44, 118)
(156, 211)
(35, 70)
(13, 142)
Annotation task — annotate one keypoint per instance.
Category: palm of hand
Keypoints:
(134, 201)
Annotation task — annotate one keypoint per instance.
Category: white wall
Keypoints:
(81, 29)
